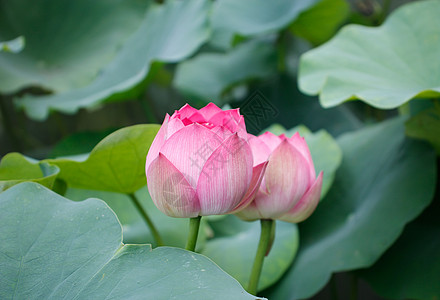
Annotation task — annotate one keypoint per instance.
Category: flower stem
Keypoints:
(194, 225)
(143, 212)
(265, 237)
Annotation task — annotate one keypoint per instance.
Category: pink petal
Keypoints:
(307, 205)
(186, 111)
(286, 180)
(209, 110)
(158, 141)
(189, 148)
(226, 118)
(197, 117)
(301, 145)
(221, 132)
(257, 176)
(241, 129)
(260, 150)
(271, 140)
(225, 177)
(174, 125)
(170, 191)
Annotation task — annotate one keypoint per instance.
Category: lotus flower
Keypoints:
(289, 190)
(200, 163)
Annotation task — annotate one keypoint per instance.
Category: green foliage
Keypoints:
(73, 250)
(253, 17)
(319, 23)
(167, 33)
(207, 76)
(384, 181)
(235, 244)
(426, 126)
(385, 66)
(15, 168)
(247, 53)
(410, 269)
(116, 164)
(65, 47)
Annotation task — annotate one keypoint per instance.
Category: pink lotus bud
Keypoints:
(289, 190)
(200, 163)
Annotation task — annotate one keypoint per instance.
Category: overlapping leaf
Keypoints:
(252, 17)
(15, 168)
(65, 47)
(385, 66)
(53, 248)
(384, 181)
(116, 164)
(168, 33)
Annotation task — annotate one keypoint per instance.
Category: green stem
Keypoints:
(266, 229)
(154, 232)
(194, 225)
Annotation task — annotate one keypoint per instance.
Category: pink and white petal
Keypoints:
(271, 140)
(301, 145)
(241, 128)
(157, 143)
(307, 205)
(225, 177)
(221, 132)
(170, 191)
(286, 180)
(189, 148)
(260, 150)
(226, 118)
(257, 176)
(209, 110)
(174, 125)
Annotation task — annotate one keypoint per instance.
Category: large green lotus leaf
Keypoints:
(207, 75)
(67, 42)
(15, 168)
(53, 248)
(320, 22)
(384, 66)
(253, 17)
(426, 126)
(325, 151)
(116, 164)
(410, 269)
(174, 231)
(235, 248)
(385, 180)
(168, 33)
(14, 46)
